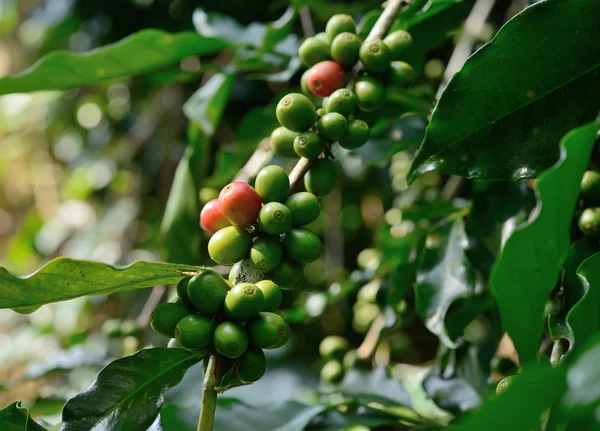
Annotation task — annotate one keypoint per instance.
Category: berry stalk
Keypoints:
(378, 31)
(209, 396)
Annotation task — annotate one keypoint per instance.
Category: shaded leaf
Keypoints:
(13, 417)
(139, 53)
(579, 295)
(528, 267)
(498, 116)
(520, 406)
(180, 233)
(128, 394)
(444, 277)
(64, 278)
(375, 385)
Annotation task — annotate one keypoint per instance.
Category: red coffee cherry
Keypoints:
(240, 203)
(325, 77)
(212, 218)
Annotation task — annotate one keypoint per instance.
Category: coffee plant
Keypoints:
(380, 216)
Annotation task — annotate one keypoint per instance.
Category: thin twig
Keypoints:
(378, 31)
(209, 395)
(369, 344)
(153, 300)
(451, 188)
(306, 21)
(256, 162)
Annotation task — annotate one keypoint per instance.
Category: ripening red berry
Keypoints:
(212, 218)
(325, 77)
(240, 203)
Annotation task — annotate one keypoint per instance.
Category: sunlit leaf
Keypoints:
(13, 417)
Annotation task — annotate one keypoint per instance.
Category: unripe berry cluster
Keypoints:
(344, 114)
(236, 321)
(589, 220)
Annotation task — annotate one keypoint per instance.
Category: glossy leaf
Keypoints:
(444, 277)
(528, 267)
(498, 116)
(127, 395)
(139, 53)
(62, 279)
(180, 233)
(520, 406)
(13, 417)
(583, 394)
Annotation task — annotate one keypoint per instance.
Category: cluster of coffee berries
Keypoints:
(338, 355)
(589, 220)
(266, 225)
(235, 321)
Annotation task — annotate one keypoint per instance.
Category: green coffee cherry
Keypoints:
(356, 135)
(252, 365)
(375, 55)
(334, 347)
(195, 332)
(340, 23)
(229, 245)
(321, 112)
(320, 178)
(351, 360)
(398, 42)
(231, 340)
(345, 49)
(272, 184)
(309, 144)
(268, 330)
(590, 187)
(182, 293)
(233, 272)
(305, 208)
(400, 345)
(589, 222)
(504, 384)
(304, 84)
(165, 317)
(282, 142)
(323, 36)
(370, 92)
(288, 275)
(243, 302)
(332, 126)
(332, 372)
(302, 245)
(400, 73)
(313, 50)
(371, 118)
(207, 291)
(364, 316)
(271, 294)
(342, 101)
(266, 253)
(296, 112)
(274, 218)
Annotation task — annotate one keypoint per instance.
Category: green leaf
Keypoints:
(129, 392)
(444, 277)
(520, 406)
(180, 234)
(13, 417)
(498, 116)
(62, 279)
(139, 53)
(206, 106)
(583, 393)
(578, 295)
(528, 267)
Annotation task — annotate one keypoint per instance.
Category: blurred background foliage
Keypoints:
(86, 173)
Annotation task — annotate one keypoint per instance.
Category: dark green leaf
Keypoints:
(13, 417)
(583, 392)
(528, 267)
(520, 406)
(181, 237)
(444, 277)
(63, 279)
(127, 395)
(498, 117)
(139, 53)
